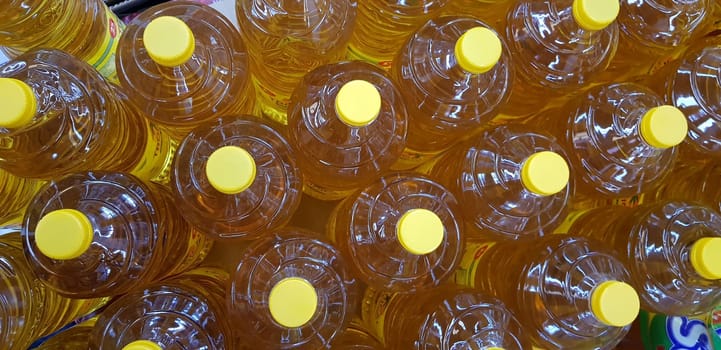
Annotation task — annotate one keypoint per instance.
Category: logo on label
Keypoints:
(687, 334)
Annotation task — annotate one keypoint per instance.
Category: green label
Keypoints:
(661, 332)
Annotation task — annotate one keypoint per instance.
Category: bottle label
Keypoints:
(466, 273)
(271, 104)
(355, 54)
(198, 247)
(375, 310)
(104, 58)
(570, 219)
(714, 327)
(661, 332)
(629, 202)
(158, 157)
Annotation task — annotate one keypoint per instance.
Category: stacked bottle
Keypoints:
(513, 181)
(101, 234)
(61, 116)
(236, 177)
(86, 29)
(454, 74)
(287, 39)
(403, 233)
(185, 64)
(15, 195)
(346, 124)
(29, 309)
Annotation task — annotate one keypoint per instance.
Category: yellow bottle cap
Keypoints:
(64, 234)
(230, 169)
(358, 103)
(595, 14)
(706, 257)
(19, 104)
(615, 303)
(478, 50)
(142, 345)
(545, 173)
(420, 231)
(169, 41)
(663, 126)
(293, 302)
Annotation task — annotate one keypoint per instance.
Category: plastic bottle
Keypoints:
(101, 234)
(672, 248)
(443, 318)
(403, 233)
(382, 26)
(355, 337)
(29, 309)
(493, 12)
(288, 38)
(692, 85)
(60, 116)
(454, 74)
(621, 139)
(184, 63)
(513, 181)
(346, 124)
(291, 290)
(15, 194)
(653, 33)
(86, 29)
(568, 292)
(558, 47)
(236, 177)
(184, 312)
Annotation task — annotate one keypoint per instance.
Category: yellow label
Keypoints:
(198, 247)
(375, 310)
(410, 159)
(158, 157)
(355, 54)
(104, 58)
(271, 105)
(466, 273)
(629, 202)
(570, 219)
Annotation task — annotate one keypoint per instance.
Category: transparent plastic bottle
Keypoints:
(356, 337)
(692, 181)
(86, 29)
(184, 63)
(185, 312)
(513, 181)
(443, 318)
(29, 309)
(60, 117)
(403, 233)
(236, 177)
(347, 124)
(291, 290)
(558, 48)
(454, 74)
(568, 292)
(653, 33)
(493, 12)
(693, 85)
(289, 38)
(100, 234)
(672, 248)
(15, 195)
(381, 27)
(621, 139)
